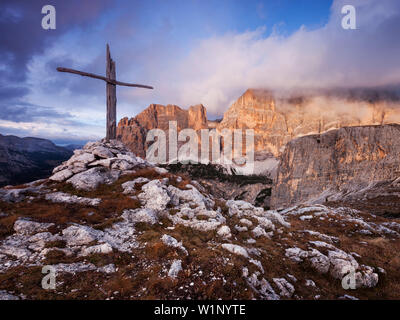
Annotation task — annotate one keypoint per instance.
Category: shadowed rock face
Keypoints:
(316, 168)
(26, 159)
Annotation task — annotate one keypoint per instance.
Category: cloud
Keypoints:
(214, 69)
(22, 36)
(22, 40)
(220, 68)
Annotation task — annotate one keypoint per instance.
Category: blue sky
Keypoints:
(191, 51)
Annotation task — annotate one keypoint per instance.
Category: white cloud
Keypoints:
(220, 68)
(217, 70)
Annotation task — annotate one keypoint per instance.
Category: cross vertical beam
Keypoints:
(111, 90)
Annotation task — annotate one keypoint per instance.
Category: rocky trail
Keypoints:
(114, 226)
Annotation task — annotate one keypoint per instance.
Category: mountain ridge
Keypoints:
(26, 159)
(276, 119)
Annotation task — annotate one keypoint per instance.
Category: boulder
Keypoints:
(102, 152)
(224, 232)
(129, 186)
(175, 268)
(60, 197)
(28, 227)
(77, 235)
(141, 215)
(235, 249)
(62, 175)
(154, 196)
(92, 178)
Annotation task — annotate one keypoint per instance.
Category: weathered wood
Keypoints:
(95, 76)
(111, 99)
(111, 92)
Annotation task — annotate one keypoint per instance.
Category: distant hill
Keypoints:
(26, 159)
(73, 147)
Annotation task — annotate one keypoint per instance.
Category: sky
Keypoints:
(191, 51)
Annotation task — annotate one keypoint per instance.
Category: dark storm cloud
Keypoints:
(27, 112)
(9, 93)
(22, 36)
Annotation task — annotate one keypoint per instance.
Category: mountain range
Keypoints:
(27, 159)
(275, 117)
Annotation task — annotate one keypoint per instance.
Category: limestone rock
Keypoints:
(77, 235)
(60, 197)
(154, 195)
(61, 175)
(224, 232)
(286, 289)
(81, 160)
(92, 178)
(318, 168)
(4, 295)
(100, 162)
(147, 215)
(102, 152)
(129, 186)
(100, 248)
(235, 249)
(176, 267)
(27, 227)
(172, 242)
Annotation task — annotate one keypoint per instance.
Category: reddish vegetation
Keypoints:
(207, 274)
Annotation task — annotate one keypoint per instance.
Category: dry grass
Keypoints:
(56, 244)
(142, 273)
(7, 226)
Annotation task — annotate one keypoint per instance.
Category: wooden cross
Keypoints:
(111, 87)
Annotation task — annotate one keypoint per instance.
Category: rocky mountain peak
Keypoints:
(275, 119)
(133, 131)
(255, 97)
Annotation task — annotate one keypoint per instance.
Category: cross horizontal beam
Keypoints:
(108, 80)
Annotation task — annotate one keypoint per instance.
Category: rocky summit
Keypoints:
(113, 226)
(133, 131)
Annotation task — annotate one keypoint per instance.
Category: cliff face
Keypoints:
(133, 131)
(275, 119)
(317, 167)
(256, 109)
(278, 120)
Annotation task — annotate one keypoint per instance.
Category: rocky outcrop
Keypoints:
(255, 189)
(133, 131)
(163, 228)
(26, 159)
(97, 163)
(326, 167)
(276, 118)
